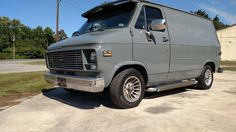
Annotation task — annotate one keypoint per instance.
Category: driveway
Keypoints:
(16, 66)
(181, 110)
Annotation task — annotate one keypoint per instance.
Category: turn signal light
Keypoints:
(107, 53)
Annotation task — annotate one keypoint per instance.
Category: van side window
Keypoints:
(152, 14)
(140, 23)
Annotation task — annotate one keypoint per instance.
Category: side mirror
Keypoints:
(158, 25)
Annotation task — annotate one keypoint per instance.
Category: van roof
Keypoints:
(97, 8)
(86, 14)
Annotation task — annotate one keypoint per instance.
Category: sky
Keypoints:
(43, 12)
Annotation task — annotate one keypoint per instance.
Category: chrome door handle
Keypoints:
(165, 39)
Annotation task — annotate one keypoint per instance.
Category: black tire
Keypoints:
(119, 97)
(202, 83)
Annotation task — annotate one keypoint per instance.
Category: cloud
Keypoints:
(230, 18)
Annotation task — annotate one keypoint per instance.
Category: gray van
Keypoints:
(131, 47)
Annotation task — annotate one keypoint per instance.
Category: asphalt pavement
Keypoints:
(16, 66)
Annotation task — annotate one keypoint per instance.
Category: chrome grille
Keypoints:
(65, 60)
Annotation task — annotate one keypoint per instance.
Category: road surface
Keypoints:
(16, 66)
(182, 110)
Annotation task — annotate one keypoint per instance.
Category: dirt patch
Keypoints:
(11, 100)
(231, 91)
(160, 109)
(224, 80)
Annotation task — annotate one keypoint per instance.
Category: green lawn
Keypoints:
(228, 65)
(36, 63)
(15, 85)
(229, 68)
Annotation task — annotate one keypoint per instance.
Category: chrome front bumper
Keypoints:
(77, 83)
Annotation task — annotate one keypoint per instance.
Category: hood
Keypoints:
(107, 36)
(83, 39)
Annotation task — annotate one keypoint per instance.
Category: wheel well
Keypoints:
(140, 68)
(212, 65)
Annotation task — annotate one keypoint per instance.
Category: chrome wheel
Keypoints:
(132, 89)
(208, 77)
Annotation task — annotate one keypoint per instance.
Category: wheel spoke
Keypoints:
(132, 89)
(208, 77)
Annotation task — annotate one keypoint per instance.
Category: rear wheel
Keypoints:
(205, 81)
(127, 88)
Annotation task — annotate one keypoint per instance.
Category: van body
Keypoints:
(132, 46)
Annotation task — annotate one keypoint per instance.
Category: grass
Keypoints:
(36, 63)
(228, 65)
(229, 68)
(16, 85)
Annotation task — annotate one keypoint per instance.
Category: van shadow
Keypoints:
(85, 100)
(81, 100)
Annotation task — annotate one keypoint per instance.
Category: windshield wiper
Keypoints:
(76, 33)
(94, 29)
(101, 29)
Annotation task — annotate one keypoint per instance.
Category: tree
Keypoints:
(216, 20)
(61, 35)
(49, 34)
(26, 33)
(202, 13)
(30, 42)
(4, 35)
(39, 37)
(218, 24)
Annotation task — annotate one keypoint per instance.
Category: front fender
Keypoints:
(108, 75)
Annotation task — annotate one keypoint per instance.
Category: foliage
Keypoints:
(202, 13)
(228, 63)
(216, 20)
(30, 42)
(61, 35)
(218, 24)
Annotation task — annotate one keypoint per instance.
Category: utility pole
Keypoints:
(57, 17)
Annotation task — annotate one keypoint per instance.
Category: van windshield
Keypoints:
(112, 16)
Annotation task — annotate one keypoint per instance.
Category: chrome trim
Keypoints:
(71, 60)
(170, 86)
(158, 24)
(132, 89)
(93, 85)
(208, 77)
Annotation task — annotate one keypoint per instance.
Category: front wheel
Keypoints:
(205, 81)
(127, 88)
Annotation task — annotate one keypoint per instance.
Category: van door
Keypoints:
(153, 52)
